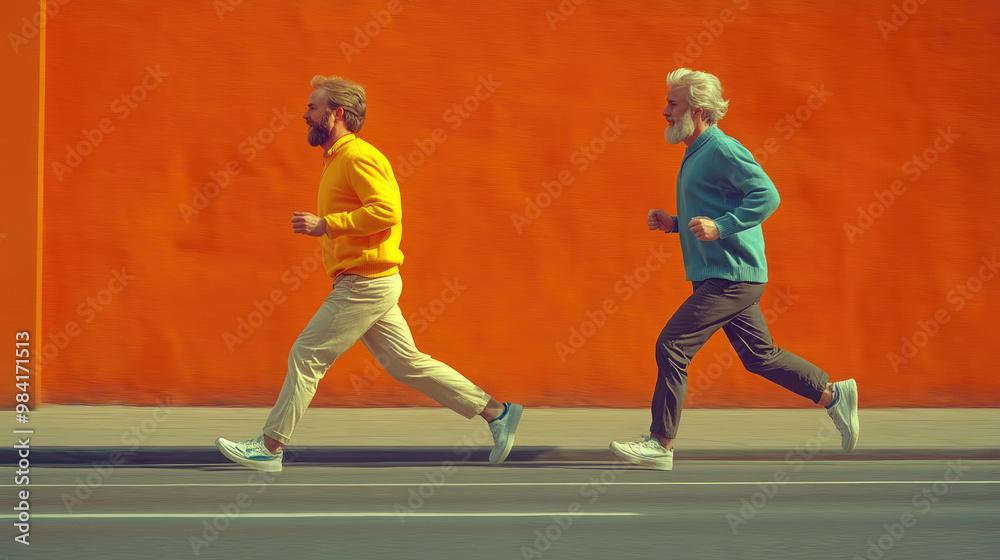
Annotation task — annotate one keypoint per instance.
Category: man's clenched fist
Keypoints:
(703, 228)
(309, 224)
(658, 219)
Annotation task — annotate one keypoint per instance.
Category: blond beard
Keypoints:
(681, 129)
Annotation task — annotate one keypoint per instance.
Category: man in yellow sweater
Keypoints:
(359, 226)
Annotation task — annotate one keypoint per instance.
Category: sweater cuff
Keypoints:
(330, 225)
(674, 229)
(725, 226)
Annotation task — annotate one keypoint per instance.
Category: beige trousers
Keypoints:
(365, 308)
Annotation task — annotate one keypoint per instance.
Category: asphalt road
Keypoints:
(702, 509)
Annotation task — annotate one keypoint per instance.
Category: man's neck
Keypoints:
(699, 127)
(336, 134)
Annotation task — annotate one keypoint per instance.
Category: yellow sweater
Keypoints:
(359, 199)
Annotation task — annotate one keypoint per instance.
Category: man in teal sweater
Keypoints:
(723, 196)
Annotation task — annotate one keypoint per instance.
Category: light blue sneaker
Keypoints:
(251, 453)
(844, 413)
(503, 429)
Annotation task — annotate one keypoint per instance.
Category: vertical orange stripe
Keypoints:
(40, 202)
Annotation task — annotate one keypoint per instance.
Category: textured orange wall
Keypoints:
(148, 264)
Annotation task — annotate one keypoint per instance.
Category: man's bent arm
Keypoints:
(380, 204)
(760, 197)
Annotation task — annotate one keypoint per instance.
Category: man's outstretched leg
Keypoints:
(750, 337)
(391, 341)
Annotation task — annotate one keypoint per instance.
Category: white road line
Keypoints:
(314, 514)
(581, 483)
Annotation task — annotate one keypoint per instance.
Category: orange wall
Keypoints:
(157, 99)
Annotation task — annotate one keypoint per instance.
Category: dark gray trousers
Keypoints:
(733, 306)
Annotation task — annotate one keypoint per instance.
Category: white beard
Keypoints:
(680, 129)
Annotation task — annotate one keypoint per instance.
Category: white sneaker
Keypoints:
(251, 453)
(646, 452)
(845, 413)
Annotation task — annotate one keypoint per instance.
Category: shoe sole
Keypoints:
(266, 466)
(851, 393)
(514, 411)
(641, 461)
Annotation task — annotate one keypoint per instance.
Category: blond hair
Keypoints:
(346, 94)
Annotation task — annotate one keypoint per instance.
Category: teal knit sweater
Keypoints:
(719, 179)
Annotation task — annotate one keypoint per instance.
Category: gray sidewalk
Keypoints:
(82, 435)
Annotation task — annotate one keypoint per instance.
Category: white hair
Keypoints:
(702, 90)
